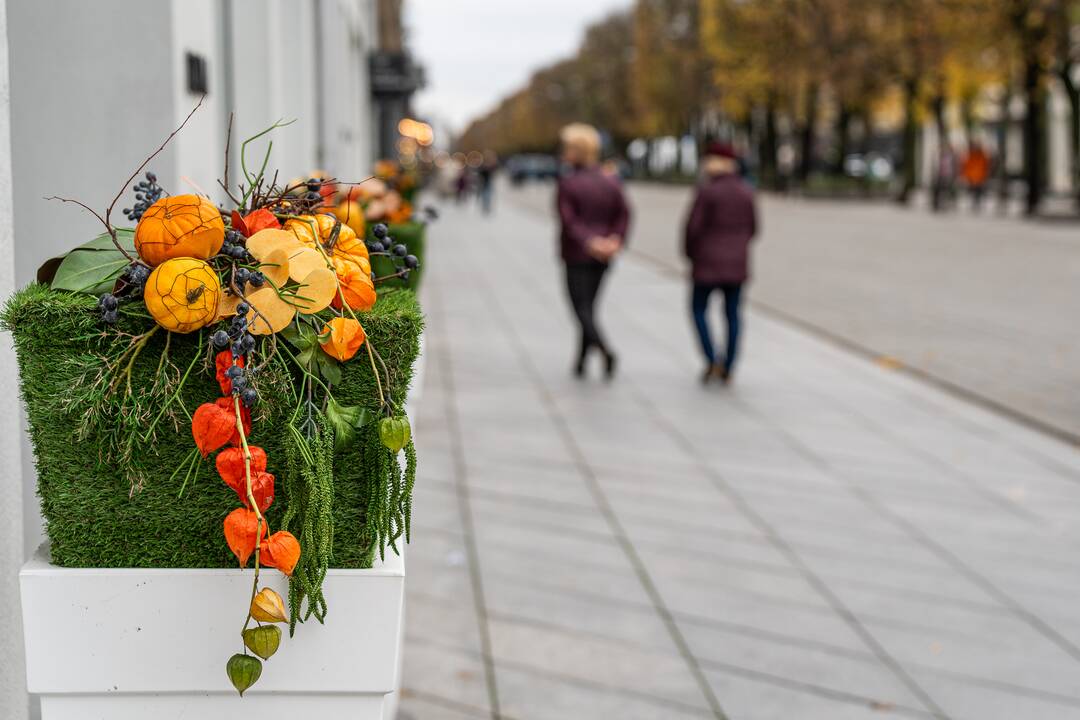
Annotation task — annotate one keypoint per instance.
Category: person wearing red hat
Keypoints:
(722, 222)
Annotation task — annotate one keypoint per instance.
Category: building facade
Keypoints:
(89, 90)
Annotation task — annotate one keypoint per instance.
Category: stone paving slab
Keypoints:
(826, 538)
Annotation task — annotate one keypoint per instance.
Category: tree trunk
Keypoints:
(843, 130)
(1033, 165)
(942, 184)
(768, 146)
(809, 130)
(1073, 93)
(1003, 151)
(911, 129)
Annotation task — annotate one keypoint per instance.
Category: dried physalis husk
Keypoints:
(267, 606)
(269, 313)
(243, 671)
(263, 640)
(316, 291)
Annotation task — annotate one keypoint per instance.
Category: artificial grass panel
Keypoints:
(412, 235)
(94, 518)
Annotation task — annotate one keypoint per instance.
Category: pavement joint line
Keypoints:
(839, 607)
(574, 680)
(916, 533)
(447, 703)
(1036, 622)
(602, 504)
(719, 665)
(460, 474)
(967, 481)
(782, 639)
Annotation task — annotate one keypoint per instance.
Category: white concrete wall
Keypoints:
(13, 700)
(95, 87)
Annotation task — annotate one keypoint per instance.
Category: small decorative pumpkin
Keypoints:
(347, 246)
(350, 213)
(183, 294)
(179, 226)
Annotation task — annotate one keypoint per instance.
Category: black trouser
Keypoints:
(583, 282)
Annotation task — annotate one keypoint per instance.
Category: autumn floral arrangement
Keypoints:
(269, 296)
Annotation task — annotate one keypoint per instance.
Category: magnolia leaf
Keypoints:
(345, 421)
(94, 266)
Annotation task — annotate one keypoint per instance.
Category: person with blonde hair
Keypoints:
(594, 218)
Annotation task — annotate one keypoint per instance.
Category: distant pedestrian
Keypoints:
(485, 179)
(976, 171)
(594, 217)
(722, 222)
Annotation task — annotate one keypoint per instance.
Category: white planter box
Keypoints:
(142, 644)
(134, 644)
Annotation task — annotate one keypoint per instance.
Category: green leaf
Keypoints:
(329, 368)
(94, 266)
(345, 421)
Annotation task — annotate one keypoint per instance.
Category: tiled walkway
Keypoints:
(824, 539)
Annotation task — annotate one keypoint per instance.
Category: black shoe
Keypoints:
(724, 374)
(609, 365)
(579, 368)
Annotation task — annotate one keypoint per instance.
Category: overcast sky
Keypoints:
(477, 51)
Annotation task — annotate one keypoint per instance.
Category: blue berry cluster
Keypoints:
(147, 192)
(241, 342)
(384, 243)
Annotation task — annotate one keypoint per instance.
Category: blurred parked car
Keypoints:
(522, 168)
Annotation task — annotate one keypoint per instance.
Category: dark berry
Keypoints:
(242, 310)
(220, 339)
(312, 197)
(379, 231)
(248, 342)
(234, 237)
(404, 274)
(237, 348)
(249, 397)
(401, 250)
(234, 371)
(151, 177)
(242, 276)
(239, 383)
(412, 262)
(257, 279)
(375, 246)
(237, 252)
(109, 316)
(108, 302)
(313, 184)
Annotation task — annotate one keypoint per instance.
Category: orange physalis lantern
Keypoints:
(241, 528)
(280, 550)
(342, 338)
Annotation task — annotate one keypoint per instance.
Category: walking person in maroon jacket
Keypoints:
(722, 222)
(594, 217)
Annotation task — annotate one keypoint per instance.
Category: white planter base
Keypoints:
(132, 644)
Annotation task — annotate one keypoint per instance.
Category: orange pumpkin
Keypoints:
(348, 245)
(183, 294)
(179, 226)
(350, 213)
(344, 336)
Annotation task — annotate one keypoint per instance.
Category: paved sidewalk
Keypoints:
(824, 539)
